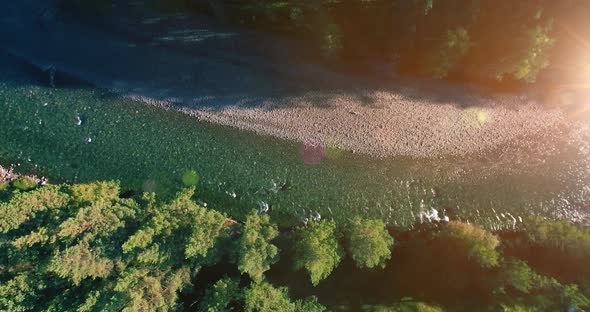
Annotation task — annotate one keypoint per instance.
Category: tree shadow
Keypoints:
(194, 62)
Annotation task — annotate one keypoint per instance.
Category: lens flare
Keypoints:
(312, 152)
(476, 117)
(190, 178)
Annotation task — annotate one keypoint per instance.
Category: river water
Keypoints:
(150, 149)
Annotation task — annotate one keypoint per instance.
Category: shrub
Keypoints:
(24, 184)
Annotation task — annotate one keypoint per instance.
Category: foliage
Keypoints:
(570, 239)
(536, 57)
(24, 183)
(332, 40)
(518, 308)
(518, 275)
(479, 244)
(416, 307)
(20, 293)
(84, 248)
(23, 207)
(407, 306)
(219, 296)
(369, 243)
(3, 186)
(94, 251)
(318, 250)
(80, 262)
(572, 297)
(456, 44)
(546, 293)
(264, 297)
(96, 191)
(443, 37)
(256, 252)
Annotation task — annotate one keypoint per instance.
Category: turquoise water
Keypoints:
(148, 148)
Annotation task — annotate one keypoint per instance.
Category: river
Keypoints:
(149, 149)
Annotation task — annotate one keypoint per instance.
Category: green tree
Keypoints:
(3, 186)
(318, 250)
(479, 244)
(408, 306)
(518, 275)
(544, 293)
(219, 296)
(83, 248)
(96, 191)
(256, 252)
(264, 297)
(455, 44)
(518, 308)
(23, 207)
(570, 239)
(24, 184)
(369, 243)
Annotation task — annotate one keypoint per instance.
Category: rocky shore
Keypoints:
(393, 124)
(282, 98)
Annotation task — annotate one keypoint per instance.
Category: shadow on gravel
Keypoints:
(194, 61)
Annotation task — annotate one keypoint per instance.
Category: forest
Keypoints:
(86, 247)
(488, 42)
(153, 206)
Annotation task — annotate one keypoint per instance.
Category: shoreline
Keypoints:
(393, 126)
(404, 121)
(288, 100)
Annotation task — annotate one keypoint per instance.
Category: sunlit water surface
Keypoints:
(78, 133)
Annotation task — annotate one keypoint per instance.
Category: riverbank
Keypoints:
(392, 124)
(271, 96)
(76, 132)
(81, 133)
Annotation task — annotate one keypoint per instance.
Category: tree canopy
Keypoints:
(318, 250)
(439, 38)
(84, 248)
(479, 244)
(369, 243)
(560, 235)
(256, 252)
(220, 296)
(263, 297)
